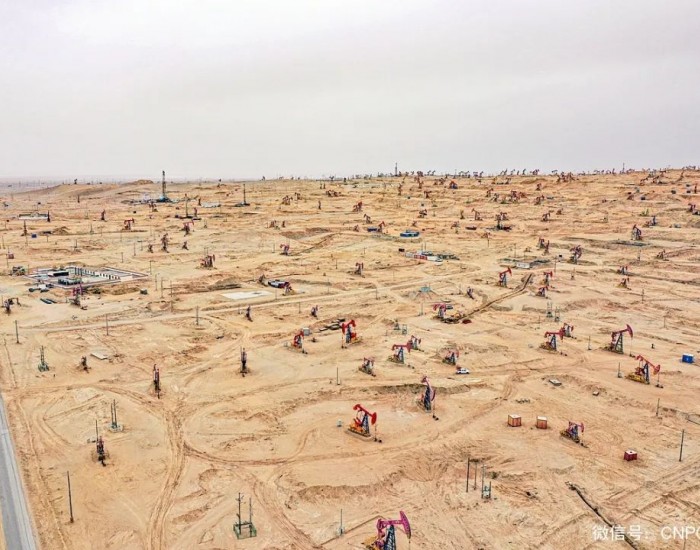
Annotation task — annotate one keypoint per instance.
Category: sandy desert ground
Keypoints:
(174, 469)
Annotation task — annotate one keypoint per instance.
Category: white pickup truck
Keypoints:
(462, 370)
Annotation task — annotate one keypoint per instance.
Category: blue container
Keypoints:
(687, 358)
(33, 235)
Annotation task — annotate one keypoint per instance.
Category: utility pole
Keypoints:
(250, 512)
(240, 520)
(469, 464)
(17, 331)
(658, 402)
(115, 424)
(107, 324)
(680, 457)
(70, 498)
(196, 322)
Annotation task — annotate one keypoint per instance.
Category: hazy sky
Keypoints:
(235, 88)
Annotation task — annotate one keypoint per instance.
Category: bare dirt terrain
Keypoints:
(177, 463)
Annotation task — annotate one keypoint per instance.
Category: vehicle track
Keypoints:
(10, 368)
(270, 503)
(42, 495)
(446, 430)
(49, 437)
(321, 298)
(176, 465)
(519, 290)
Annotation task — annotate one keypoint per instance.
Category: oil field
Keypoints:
(408, 360)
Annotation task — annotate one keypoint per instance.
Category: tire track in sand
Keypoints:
(156, 527)
(298, 539)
